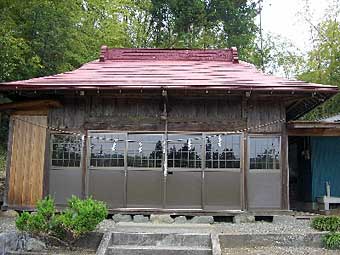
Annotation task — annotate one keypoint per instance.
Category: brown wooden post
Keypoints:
(244, 172)
(47, 164)
(84, 166)
(244, 155)
(8, 162)
(285, 168)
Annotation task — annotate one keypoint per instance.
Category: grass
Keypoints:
(332, 224)
(332, 241)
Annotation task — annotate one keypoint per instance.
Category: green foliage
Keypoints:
(332, 241)
(202, 24)
(323, 65)
(22, 221)
(277, 56)
(44, 37)
(81, 217)
(330, 223)
(39, 222)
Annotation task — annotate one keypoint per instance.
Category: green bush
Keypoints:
(330, 223)
(22, 221)
(80, 217)
(332, 241)
(41, 220)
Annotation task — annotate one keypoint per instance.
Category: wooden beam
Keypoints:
(40, 112)
(8, 162)
(46, 176)
(30, 105)
(314, 132)
(285, 169)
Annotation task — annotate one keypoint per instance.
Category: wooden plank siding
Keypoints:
(201, 114)
(27, 161)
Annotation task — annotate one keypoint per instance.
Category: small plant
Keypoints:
(40, 221)
(331, 223)
(332, 241)
(81, 217)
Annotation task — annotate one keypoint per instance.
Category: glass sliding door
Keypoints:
(222, 174)
(194, 171)
(264, 172)
(65, 175)
(106, 174)
(145, 172)
(184, 179)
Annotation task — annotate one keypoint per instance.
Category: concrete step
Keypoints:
(161, 239)
(156, 243)
(157, 250)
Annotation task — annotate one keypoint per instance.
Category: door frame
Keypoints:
(202, 169)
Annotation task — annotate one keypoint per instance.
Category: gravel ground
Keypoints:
(7, 224)
(279, 251)
(294, 227)
(67, 252)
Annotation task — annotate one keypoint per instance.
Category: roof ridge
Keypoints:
(227, 55)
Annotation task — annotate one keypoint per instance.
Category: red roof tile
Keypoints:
(166, 69)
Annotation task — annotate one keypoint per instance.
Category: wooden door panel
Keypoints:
(27, 160)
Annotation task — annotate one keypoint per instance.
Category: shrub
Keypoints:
(22, 221)
(332, 241)
(331, 223)
(81, 216)
(40, 221)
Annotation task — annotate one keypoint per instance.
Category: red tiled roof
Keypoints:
(166, 69)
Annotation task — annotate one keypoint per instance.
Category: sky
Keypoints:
(282, 17)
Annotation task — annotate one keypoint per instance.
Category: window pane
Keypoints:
(66, 150)
(264, 153)
(108, 152)
(223, 151)
(184, 151)
(145, 150)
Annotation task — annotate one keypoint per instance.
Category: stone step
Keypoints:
(157, 250)
(161, 239)
(228, 241)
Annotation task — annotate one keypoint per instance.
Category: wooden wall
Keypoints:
(184, 114)
(26, 160)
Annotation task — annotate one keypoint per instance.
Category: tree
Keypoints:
(277, 56)
(323, 62)
(201, 24)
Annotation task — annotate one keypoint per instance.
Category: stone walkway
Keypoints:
(279, 227)
(294, 227)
